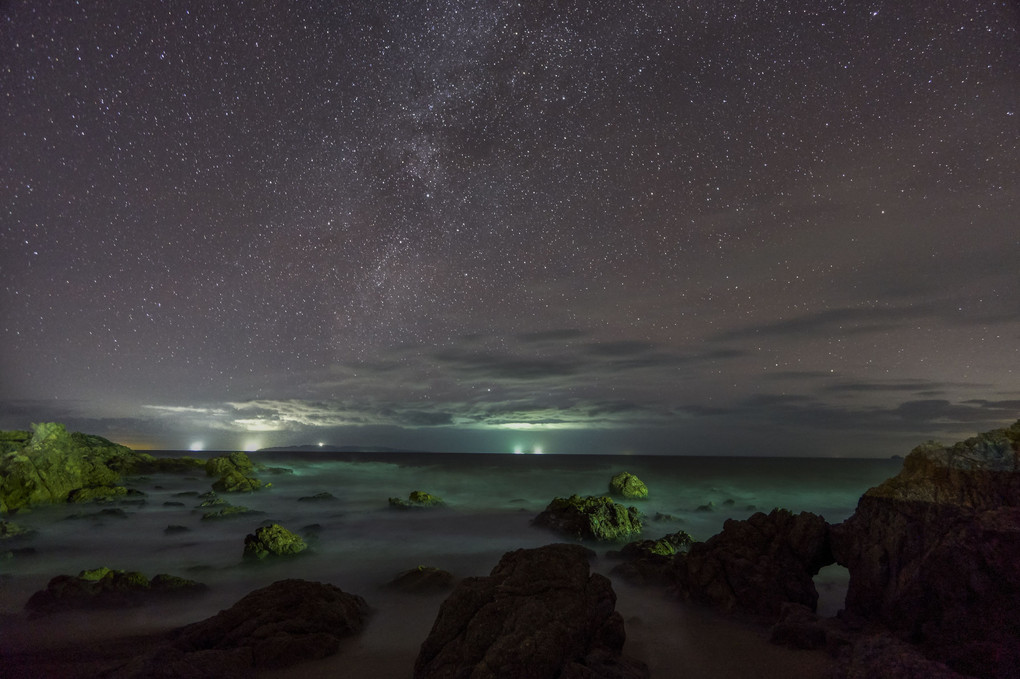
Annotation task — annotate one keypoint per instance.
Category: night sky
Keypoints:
(698, 227)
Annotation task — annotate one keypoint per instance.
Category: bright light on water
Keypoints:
(537, 450)
(196, 446)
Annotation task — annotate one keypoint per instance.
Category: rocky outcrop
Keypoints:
(272, 540)
(758, 564)
(416, 500)
(234, 473)
(934, 553)
(108, 588)
(288, 622)
(649, 562)
(628, 486)
(539, 614)
(50, 464)
(590, 518)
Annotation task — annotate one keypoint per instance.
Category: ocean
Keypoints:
(359, 543)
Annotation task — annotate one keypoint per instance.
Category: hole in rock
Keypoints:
(831, 583)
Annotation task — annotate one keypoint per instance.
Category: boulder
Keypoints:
(628, 486)
(887, 657)
(417, 499)
(758, 564)
(590, 518)
(50, 464)
(422, 580)
(288, 622)
(649, 562)
(108, 588)
(234, 472)
(272, 540)
(540, 614)
(934, 553)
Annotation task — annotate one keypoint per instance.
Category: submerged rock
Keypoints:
(288, 622)
(934, 553)
(422, 580)
(272, 540)
(108, 588)
(591, 518)
(758, 564)
(628, 486)
(417, 499)
(539, 614)
(318, 497)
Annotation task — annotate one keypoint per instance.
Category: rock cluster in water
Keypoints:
(417, 499)
(539, 614)
(591, 518)
(108, 588)
(233, 473)
(272, 540)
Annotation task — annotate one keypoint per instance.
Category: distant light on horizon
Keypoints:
(518, 450)
(321, 444)
(251, 445)
(196, 446)
(537, 450)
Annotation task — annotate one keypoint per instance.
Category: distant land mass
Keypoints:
(316, 448)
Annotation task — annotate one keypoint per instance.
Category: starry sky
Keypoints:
(716, 227)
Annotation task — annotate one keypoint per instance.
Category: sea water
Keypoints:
(359, 543)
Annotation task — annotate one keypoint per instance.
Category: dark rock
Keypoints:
(10, 530)
(659, 516)
(798, 627)
(591, 518)
(889, 658)
(758, 564)
(174, 528)
(272, 540)
(628, 486)
(171, 503)
(318, 497)
(650, 562)
(933, 553)
(667, 546)
(286, 623)
(422, 580)
(229, 512)
(540, 613)
(417, 499)
(107, 588)
(707, 507)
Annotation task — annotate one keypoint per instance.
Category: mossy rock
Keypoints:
(228, 512)
(99, 494)
(417, 499)
(50, 464)
(234, 472)
(272, 540)
(591, 518)
(235, 482)
(628, 486)
(107, 588)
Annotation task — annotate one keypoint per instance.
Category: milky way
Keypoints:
(694, 227)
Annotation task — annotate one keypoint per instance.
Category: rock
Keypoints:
(229, 512)
(175, 528)
(49, 465)
(318, 497)
(97, 494)
(10, 530)
(234, 472)
(659, 516)
(933, 553)
(107, 588)
(650, 562)
(540, 613)
(889, 658)
(286, 623)
(758, 564)
(417, 499)
(422, 580)
(798, 627)
(272, 540)
(628, 486)
(591, 518)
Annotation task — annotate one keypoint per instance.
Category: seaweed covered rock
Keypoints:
(233, 472)
(649, 562)
(422, 580)
(49, 464)
(539, 614)
(108, 588)
(758, 564)
(417, 499)
(288, 622)
(628, 486)
(272, 540)
(933, 553)
(591, 518)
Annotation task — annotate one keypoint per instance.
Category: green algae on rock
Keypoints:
(417, 498)
(592, 518)
(628, 486)
(107, 588)
(272, 540)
